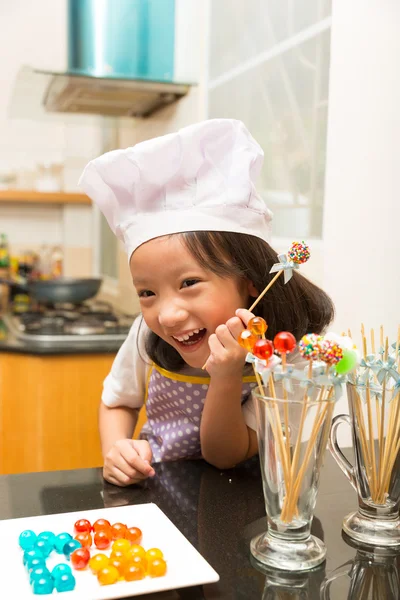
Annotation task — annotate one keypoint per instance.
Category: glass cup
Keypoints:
(375, 426)
(292, 434)
(373, 574)
(291, 585)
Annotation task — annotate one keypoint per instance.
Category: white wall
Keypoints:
(362, 208)
(34, 33)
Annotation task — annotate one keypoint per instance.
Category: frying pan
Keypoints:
(61, 290)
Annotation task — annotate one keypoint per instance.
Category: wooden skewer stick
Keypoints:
(276, 427)
(378, 415)
(370, 428)
(286, 412)
(310, 446)
(265, 290)
(382, 427)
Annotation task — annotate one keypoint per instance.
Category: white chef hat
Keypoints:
(198, 179)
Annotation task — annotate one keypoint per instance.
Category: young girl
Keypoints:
(196, 234)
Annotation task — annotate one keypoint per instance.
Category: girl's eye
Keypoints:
(145, 294)
(189, 282)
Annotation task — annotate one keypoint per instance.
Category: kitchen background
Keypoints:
(314, 81)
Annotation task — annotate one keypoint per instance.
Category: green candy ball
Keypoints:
(347, 363)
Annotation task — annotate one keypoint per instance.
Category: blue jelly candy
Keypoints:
(38, 573)
(32, 563)
(49, 536)
(65, 583)
(61, 540)
(60, 570)
(69, 547)
(27, 539)
(44, 585)
(44, 546)
(32, 553)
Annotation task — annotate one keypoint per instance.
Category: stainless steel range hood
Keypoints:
(121, 60)
(75, 92)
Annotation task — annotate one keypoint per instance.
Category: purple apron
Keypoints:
(174, 404)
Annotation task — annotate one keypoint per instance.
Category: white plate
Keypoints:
(185, 566)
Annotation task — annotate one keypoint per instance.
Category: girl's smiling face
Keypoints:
(182, 302)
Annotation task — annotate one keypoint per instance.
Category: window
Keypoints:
(269, 67)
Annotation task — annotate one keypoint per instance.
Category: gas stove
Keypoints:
(70, 323)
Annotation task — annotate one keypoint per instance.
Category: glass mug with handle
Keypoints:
(374, 420)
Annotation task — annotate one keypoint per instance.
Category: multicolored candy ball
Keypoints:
(284, 342)
(299, 253)
(309, 346)
(330, 352)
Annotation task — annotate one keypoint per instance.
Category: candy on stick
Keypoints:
(285, 342)
(257, 326)
(298, 254)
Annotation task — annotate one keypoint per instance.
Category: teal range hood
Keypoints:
(121, 56)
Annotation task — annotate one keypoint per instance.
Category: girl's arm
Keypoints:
(115, 424)
(225, 438)
(126, 461)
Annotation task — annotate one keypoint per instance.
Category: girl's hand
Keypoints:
(127, 462)
(226, 355)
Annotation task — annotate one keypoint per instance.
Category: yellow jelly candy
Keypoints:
(257, 325)
(154, 553)
(108, 575)
(135, 550)
(157, 567)
(121, 544)
(98, 561)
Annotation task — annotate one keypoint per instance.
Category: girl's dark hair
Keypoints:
(299, 306)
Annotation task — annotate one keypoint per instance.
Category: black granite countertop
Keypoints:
(219, 513)
(9, 343)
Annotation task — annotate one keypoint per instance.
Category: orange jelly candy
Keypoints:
(98, 562)
(101, 525)
(136, 550)
(118, 564)
(118, 530)
(119, 555)
(138, 560)
(257, 325)
(157, 567)
(134, 535)
(108, 575)
(134, 572)
(247, 340)
(102, 539)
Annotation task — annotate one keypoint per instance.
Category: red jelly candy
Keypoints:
(84, 538)
(80, 558)
(118, 530)
(134, 535)
(102, 539)
(263, 349)
(284, 342)
(82, 525)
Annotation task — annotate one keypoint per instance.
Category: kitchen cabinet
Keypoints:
(28, 196)
(48, 411)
